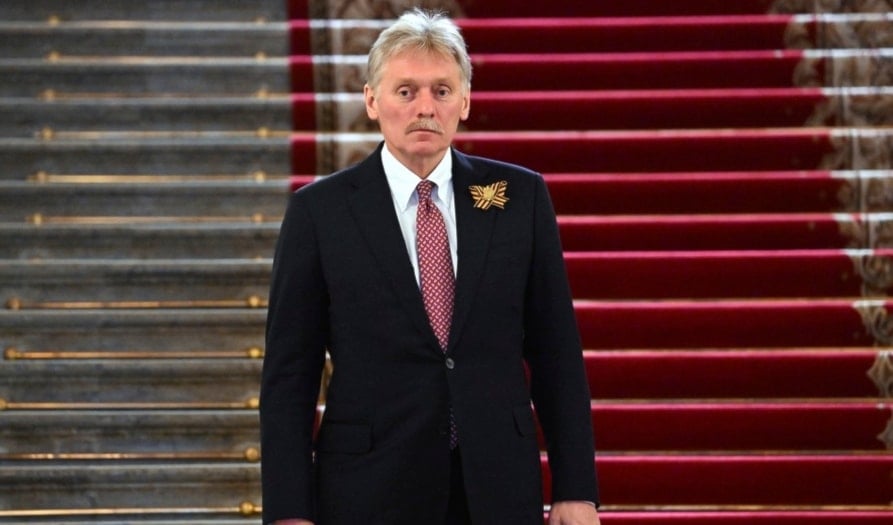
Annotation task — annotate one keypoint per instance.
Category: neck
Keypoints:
(422, 169)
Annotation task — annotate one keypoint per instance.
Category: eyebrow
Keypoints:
(436, 82)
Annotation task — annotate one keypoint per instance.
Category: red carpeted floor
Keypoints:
(722, 173)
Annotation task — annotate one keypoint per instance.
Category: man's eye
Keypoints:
(403, 92)
(443, 92)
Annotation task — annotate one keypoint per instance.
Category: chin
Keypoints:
(427, 148)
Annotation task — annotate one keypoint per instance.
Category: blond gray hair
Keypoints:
(419, 30)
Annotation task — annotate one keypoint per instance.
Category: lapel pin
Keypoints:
(489, 195)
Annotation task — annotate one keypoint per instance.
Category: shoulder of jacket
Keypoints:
(499, 167)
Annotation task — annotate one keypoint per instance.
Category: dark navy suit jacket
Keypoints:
(343, 282)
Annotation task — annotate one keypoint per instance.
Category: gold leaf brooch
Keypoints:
(490, 195)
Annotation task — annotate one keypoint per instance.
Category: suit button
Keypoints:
(450, 363)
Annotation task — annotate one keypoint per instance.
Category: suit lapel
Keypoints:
(373, 210)
(372, 207)
(474, 228)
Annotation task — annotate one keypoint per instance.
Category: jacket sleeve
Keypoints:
(296, 336)
(553, 351)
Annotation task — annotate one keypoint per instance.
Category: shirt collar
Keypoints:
(403, 182)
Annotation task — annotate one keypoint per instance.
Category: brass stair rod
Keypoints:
(251, 454)
(256, 218)
(746, 508)
(252, 403)
(253, 301)
(42, 177)
(12, 354)
(48, 134)
(246, 508)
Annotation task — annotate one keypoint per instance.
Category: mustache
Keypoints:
(425, 124)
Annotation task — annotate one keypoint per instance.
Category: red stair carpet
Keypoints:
(722, 175)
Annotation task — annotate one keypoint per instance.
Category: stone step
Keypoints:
(19, 201)
(156, 39)
(131, 381)
(118, 330)
(240, 240)
(211, 154)
(183, 432)
(134, 283)
(149, 485)
(135, 75)
(29, 117)
(182, 10)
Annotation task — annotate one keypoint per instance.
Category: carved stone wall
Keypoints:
(874, 31)
(832, 6)
(377, 9)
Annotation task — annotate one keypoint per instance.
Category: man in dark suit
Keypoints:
(432, 278)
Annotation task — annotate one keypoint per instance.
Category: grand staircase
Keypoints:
(722, 173)
(145, 158)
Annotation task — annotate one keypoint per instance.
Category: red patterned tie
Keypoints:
(435, 273)
(435, 264)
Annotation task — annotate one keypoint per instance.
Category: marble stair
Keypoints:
(145, 158)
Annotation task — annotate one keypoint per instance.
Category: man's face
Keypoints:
(418, 104)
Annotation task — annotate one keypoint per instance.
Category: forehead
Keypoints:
(419, 65)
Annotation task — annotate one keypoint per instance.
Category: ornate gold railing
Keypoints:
(16, 303)
(252, 403)
(13, 354)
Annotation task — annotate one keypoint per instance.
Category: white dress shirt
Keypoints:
(403, 184)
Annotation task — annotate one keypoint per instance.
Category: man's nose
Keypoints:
(425, 104)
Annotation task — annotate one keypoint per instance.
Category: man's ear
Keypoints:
(466, 106)
(369, 98)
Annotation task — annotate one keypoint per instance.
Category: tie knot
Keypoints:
(424, 189)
